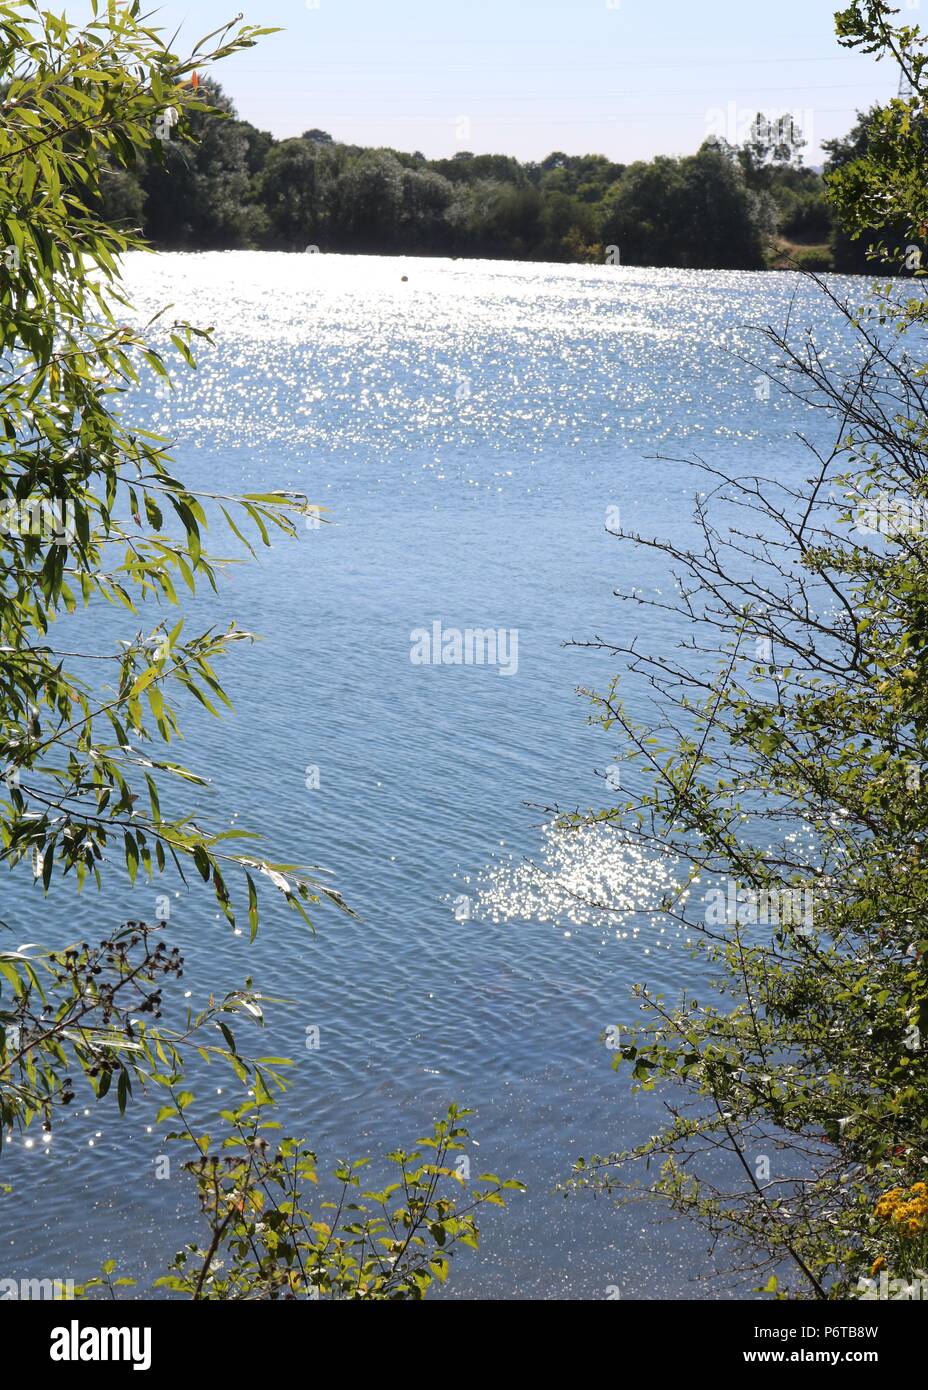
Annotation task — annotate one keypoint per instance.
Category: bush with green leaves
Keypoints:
(266, 1242)
(878, 180)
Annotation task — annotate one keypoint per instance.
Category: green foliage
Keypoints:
(875, 180)
(877, 176)
(94, 1012)
(237, 187)
(805, 216)
(91, 508)
(266, 1242)
(197, 185)
(94, 515)
(696, 212)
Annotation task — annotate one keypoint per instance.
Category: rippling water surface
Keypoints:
(468, 425)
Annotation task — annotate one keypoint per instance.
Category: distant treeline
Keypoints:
(223, 184)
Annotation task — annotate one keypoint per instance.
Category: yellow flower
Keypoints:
(877, 1265)
(907, 1209)
(887, 1203)
(904, 1208)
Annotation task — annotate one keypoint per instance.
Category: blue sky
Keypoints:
(626, 78)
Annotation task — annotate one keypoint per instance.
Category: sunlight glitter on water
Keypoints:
(585, 876)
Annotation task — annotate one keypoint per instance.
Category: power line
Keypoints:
(362, 69)
(359, 118)
(552, 96)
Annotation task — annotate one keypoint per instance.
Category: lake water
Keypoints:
(469, 428)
